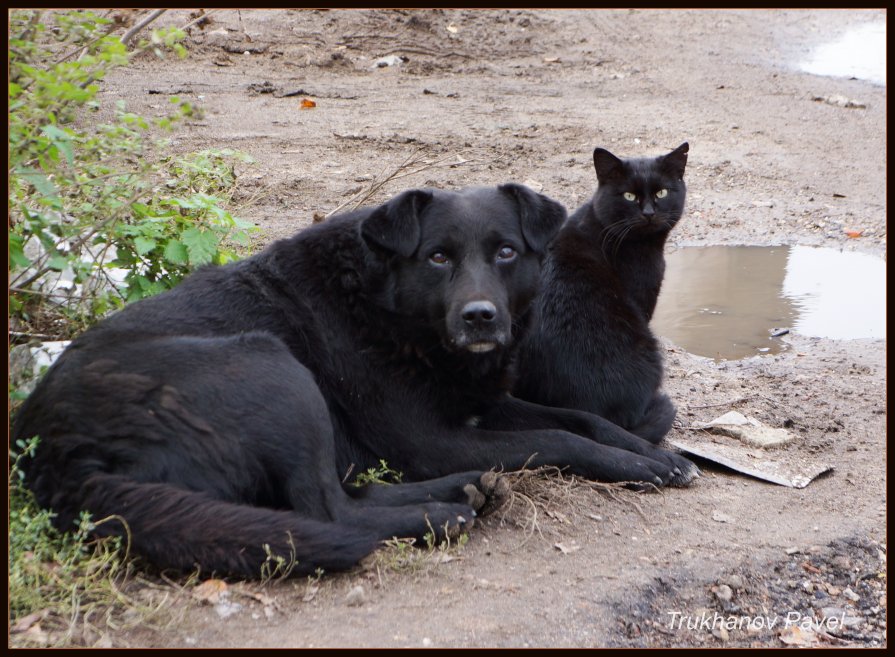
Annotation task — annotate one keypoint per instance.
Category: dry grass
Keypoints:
(549, 492)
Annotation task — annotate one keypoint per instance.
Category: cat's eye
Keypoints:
(629, 196)
(506, 253)
(662, 193)
(439, 258)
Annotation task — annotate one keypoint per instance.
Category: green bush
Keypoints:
(94, 204)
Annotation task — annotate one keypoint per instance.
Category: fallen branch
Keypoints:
(131, 33)
(406, 168)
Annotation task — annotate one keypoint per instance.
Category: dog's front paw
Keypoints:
(488, 494)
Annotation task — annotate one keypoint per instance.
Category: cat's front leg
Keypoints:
(517, 415)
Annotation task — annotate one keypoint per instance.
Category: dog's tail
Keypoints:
(181, 529)
(657, 420)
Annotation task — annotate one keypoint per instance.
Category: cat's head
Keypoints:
(640, 196)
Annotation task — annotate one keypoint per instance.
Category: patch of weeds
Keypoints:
(382, 475)
(404, 555)
(277, 566)
(66, 588)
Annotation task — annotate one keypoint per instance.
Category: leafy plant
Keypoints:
(98, 214)
(382, 475)
(62, 583)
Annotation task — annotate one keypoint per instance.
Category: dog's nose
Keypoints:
(477, 313)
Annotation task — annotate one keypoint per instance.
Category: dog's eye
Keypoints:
(662, 193)
(439, 258)
(506, 253)
(630, 196)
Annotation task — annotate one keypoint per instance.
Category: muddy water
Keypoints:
(859, 53)
(727, 302)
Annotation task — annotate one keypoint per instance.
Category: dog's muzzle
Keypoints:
(480, 328)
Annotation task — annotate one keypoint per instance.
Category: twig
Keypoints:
(201, 18)
(773, 402)
(131, 33)
(31, 336)
(727, 403)
(430, 53)
(401, 172)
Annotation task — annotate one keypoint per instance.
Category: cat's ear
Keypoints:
(607, 165)
(675, 162)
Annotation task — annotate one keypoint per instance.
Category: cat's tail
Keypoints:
(181, 529)
(657, 420)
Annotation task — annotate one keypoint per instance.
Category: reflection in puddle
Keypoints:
(859, 53)
(725, 302)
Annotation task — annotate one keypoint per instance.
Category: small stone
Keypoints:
(721, 634)
(724, 593)
(720, 516)
(736, 582)
(833, 590)
(791, 550)
(426, 642)
(356, 597)
(851, 595)
(808, 586)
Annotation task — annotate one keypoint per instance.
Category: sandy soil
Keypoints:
(486, 97)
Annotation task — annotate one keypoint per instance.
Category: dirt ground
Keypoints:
(486, 97)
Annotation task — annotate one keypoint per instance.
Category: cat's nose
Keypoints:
(648, 211)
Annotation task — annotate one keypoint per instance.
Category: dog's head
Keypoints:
(466, 262)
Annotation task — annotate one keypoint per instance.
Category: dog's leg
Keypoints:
(483, 491)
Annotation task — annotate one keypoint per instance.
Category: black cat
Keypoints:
(591, 347)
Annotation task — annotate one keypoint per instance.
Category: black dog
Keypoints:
(219, 417)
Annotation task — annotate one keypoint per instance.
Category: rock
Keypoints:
(721, 634)
(736, 582)
(724, 593)
(720, 516)
(390, 60)
(356, 597)
(851, 595)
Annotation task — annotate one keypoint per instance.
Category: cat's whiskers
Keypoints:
(609, 234)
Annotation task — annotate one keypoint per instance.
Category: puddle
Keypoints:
(859, 53)
(724, 302)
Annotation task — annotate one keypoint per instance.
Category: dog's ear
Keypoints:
(676, 160)
(395, 226)
(541, 217)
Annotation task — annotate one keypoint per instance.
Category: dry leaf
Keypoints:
(307, 103)
(210, 590)
(796, 635)
(453, 29)
(25, 623)
(854, 233)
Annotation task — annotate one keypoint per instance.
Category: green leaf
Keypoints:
(144, 245)
(17, 257)
(41, 183)
(201, 245)
(62, 140)
(57, 262)
(176, 252)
